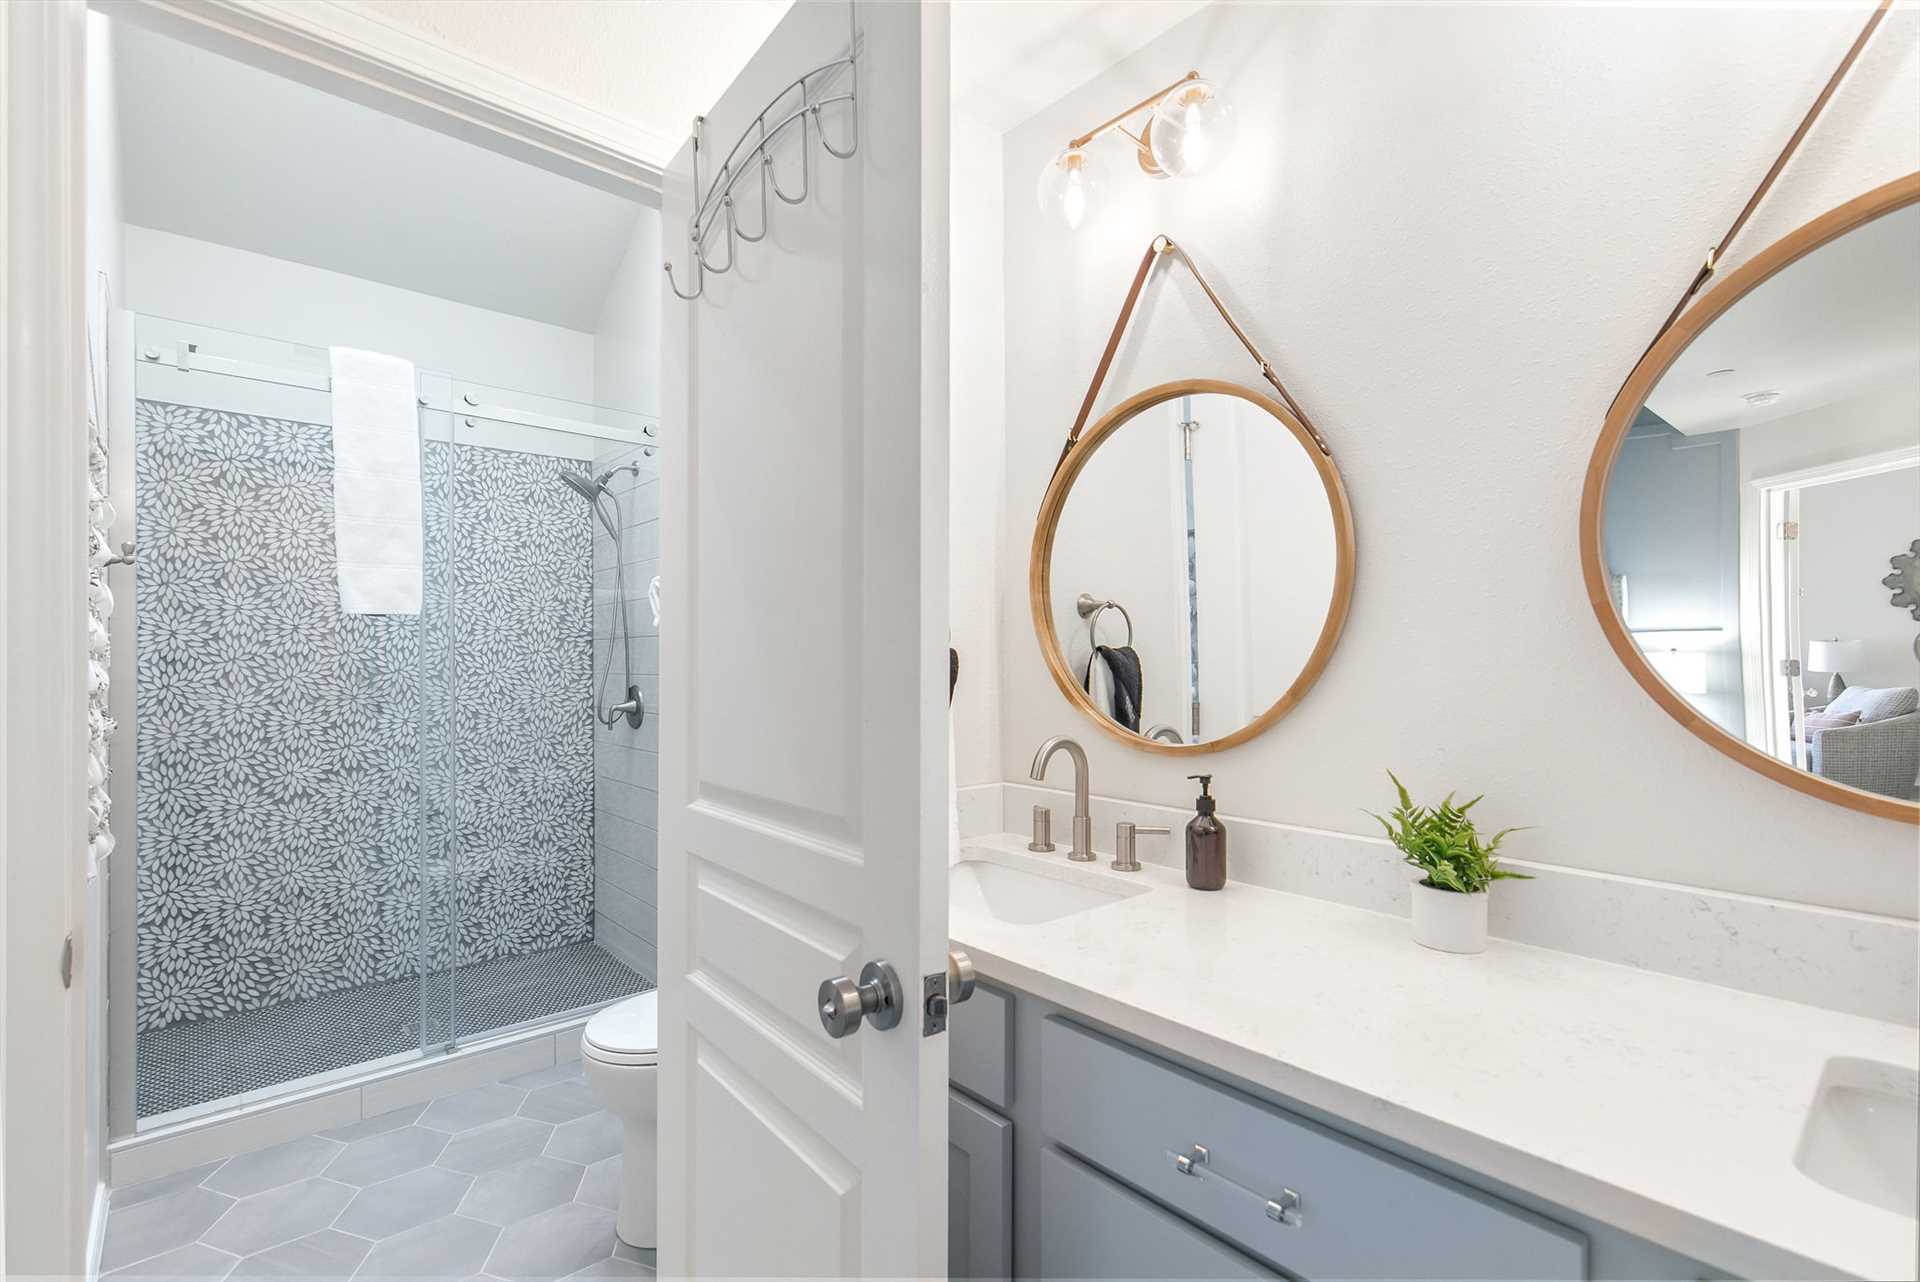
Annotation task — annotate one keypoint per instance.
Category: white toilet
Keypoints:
(620, 1053)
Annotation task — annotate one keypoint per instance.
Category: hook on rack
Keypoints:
(716, 204)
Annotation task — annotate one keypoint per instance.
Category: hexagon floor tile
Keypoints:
(516, 1180)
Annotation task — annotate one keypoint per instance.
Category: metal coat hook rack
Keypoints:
(716, 207)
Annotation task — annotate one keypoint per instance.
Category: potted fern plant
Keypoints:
(1457, 867)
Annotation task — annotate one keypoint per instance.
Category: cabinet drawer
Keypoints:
(980, 1046)
(1361, 1212)
(1093, 1227)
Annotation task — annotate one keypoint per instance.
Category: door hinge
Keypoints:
(66, 962)
(1789, 667)
(1788, 530)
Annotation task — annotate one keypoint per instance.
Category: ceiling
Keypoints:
(653, 64)
(225, 152)
(1013, 57)
(1010, 57)
(1841, 323)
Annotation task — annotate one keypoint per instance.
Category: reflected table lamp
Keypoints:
(1835, 657)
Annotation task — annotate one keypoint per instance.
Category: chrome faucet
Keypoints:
(1081, 851)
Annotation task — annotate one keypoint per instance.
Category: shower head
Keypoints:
(588, 489)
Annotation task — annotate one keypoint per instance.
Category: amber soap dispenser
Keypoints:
(1206, 842)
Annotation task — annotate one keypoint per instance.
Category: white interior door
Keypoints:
(803, 692)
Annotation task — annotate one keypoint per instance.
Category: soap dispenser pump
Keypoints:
(1206, 841)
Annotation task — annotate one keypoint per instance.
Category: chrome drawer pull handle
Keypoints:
(1194, 1156)
(1285, 1209)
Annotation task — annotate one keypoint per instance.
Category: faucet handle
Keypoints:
(1124, 833)
(1042, 830)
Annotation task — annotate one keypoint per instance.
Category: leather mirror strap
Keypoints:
(1160, 245)
(1714, 255)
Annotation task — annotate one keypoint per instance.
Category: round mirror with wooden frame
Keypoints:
(1753, 476)
(1192, 567)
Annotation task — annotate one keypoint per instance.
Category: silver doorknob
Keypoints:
(960, 976)
(876, 998)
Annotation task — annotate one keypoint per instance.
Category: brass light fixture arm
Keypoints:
(1160, 246)
(1115, 122)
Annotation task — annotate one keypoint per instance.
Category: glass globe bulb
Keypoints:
(1192, 130)
(1069, 185)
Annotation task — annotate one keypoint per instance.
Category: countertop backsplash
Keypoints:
(1856, 963)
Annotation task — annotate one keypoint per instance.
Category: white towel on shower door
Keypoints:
(376, 482)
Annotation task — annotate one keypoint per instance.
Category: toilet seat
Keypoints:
(627, 1032)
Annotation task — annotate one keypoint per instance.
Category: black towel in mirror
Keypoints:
(1124, 664)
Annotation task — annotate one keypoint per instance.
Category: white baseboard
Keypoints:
(1858, 963)
(97, 1229)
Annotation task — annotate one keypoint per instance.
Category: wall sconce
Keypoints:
(1188, 132)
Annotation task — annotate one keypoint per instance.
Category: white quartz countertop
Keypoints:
(1665, 1107)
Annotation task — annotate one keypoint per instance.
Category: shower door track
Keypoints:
(187, 358)
(271, 1115)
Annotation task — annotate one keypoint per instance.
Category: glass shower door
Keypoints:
(552, 854)
(282, 904)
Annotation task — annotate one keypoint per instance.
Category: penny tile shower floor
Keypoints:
(517, 1180)
(193, 1063)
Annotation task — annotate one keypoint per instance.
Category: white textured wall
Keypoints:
(977, 446)
(626, 342)
(1847, 532)
(182, 278)
(1454, 230)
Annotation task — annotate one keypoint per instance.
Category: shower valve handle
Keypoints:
(634, 709)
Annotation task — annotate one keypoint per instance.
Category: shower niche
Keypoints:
(353, 841)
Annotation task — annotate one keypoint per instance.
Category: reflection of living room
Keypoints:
(1756, 504)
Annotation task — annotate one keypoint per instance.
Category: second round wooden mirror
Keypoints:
(1753, 498)
(1192, 567)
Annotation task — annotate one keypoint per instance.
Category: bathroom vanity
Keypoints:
(1151, 1082)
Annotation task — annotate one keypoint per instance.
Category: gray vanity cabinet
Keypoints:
(979, 1191)
(1079, 1153)
(979, 1139)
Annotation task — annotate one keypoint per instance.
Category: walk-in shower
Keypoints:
(449, 832)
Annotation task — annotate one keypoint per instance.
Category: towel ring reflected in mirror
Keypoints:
(1221, 520)
(1091, 607)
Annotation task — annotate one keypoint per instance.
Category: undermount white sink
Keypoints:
(1862, 1133)
(1024, 896)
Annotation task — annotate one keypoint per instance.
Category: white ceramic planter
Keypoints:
(1448, 921)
